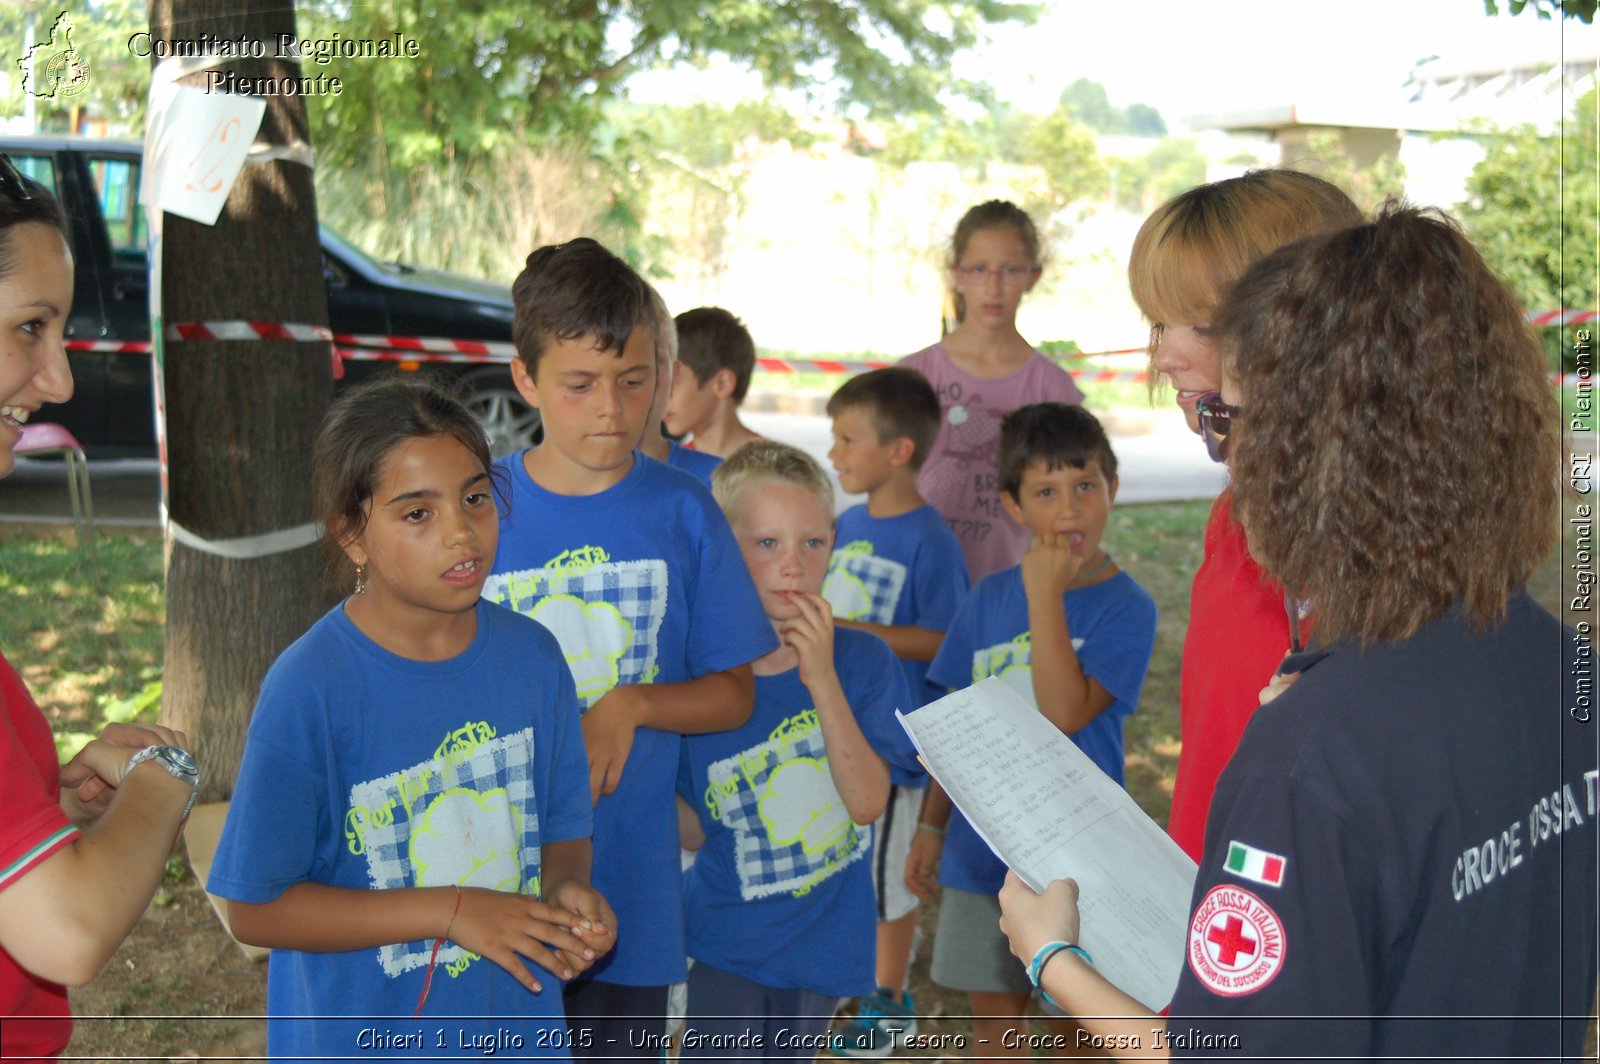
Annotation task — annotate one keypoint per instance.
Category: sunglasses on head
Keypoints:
(12, 184)
(1216, 419)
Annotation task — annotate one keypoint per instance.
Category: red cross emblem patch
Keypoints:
(1236, 942)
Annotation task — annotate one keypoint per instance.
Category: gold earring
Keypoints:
(361, 579)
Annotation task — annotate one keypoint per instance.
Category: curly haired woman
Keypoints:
(1400, 858)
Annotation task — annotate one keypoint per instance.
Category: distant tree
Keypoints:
(1173, 165)
(1064, 150)
(1532, 209)
(1145, 121)
(1087, 102)
(1582, 10)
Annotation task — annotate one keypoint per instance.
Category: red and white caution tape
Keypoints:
(367, 354)
(1541, 318)
(114, 347)
(368, 347)
(1109, 376)
(803, 365)
(247, 330)
(432, 345)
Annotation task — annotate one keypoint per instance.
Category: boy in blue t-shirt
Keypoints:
(897, 572)
(633, 568)
(779, 897)
(653, 440)
(1073, 634)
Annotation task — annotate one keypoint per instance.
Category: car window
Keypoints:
(41, 168)
(116, 182)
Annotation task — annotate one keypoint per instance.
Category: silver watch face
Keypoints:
(178, 760)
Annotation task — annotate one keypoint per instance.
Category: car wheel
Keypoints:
(511, 424)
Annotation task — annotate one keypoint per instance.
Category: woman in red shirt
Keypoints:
(68, 897)
(1185, 260)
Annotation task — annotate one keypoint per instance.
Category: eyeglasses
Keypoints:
(12, 184)
(1010, 276)
(1216, 419)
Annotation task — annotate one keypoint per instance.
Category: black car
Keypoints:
(111, 412)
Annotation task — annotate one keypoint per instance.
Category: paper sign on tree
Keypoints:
(195, 145)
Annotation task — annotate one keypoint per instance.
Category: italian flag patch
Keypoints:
(1247, 862)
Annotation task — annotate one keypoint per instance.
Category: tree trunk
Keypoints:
(240, 414)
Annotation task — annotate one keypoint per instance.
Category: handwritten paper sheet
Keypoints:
(1049, 813)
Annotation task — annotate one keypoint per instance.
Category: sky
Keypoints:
(1187, 57)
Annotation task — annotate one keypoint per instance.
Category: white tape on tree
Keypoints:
(298, 152)
(245, 548)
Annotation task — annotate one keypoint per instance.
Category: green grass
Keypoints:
(1159, 544)
(88, 641)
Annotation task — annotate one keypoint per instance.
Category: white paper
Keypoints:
(195, 145)
(1049, 813)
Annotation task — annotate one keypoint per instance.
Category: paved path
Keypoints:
(1160, 461)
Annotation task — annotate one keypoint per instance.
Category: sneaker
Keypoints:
(882, 1021)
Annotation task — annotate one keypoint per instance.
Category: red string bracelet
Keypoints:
(427, 981)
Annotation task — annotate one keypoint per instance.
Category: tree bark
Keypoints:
(240, 414)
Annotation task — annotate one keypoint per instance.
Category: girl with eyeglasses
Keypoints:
(1185, 260)
(1401, 859)
(83, 845)
(982, 370)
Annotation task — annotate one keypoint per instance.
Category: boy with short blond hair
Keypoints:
(1073, 634)
(779, 897)
(897, 572)
(634, 569)
(720, 357)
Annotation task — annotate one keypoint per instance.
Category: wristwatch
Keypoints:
(178, 764)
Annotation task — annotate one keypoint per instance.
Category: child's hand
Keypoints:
(1048, 568)
(597, 924)
(1029, 920)
(922, 864)
(504, 927)
(608, 730)
(811, 636)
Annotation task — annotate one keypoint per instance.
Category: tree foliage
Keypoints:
(1173, 165)
(1582, 10)
(118, 79)
(1532, 209)
(536, 72)
(1087, 102)
(1368, 186)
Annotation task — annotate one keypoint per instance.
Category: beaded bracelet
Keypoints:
(923, 825)
(1042, 957)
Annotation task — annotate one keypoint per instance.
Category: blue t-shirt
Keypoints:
(902, 570)
(367, 770)
(781, 892)
(1113, 629)
(698, 464)
(640, 583)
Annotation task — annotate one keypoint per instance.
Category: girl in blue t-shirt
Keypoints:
(410, 832)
